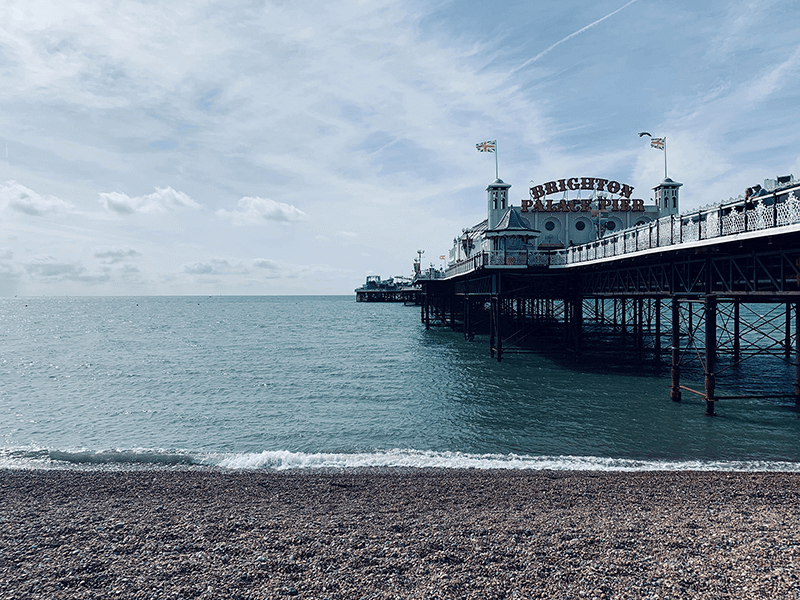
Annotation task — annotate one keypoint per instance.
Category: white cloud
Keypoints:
(161, 201)
(214, 266)
(259, 211)
(46, 267)
(265, 263)
(6, 254)
(16, 197)
(115, 255)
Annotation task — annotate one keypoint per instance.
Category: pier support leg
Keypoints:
(797, 354)
(638, 318)
(498, 328)
(467, 321)
(492, 324)
(737, 345)
(623, 303)
(711, 353)
(675, 373)
(787, 343)
(657, 302)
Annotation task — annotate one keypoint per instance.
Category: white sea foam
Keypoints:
(283, 460)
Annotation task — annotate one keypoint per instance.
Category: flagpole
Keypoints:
(665, 157)
(496, 171)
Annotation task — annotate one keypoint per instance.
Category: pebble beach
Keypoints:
(398, 534)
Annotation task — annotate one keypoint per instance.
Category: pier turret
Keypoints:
(666, 197)
(498, 201)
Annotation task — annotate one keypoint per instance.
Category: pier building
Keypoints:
(543, 222)
(583, 258)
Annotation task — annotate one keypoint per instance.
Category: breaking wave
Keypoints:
(281, 460)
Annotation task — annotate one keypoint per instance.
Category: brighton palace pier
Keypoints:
(584, 260)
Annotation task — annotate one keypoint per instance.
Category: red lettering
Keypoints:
(550, 187)
(562, 186)
(613, 187)
(638, 205)
(526, 204)
(626, 190)
(626, 205)
(574, 206)
(538, 206)
(600, 184)
(563, 206)
(603, 204)
(587, 183)
(586, 205)
(537, 191)
(549, 206)
(572, 183)
(614, 205)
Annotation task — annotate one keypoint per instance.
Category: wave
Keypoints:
(282, 460)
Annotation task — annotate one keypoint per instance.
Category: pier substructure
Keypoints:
(708, 310)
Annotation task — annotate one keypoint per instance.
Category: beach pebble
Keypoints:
(398, 534)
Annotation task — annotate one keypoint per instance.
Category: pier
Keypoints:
(719, 281)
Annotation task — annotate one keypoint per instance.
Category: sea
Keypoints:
(322, 382)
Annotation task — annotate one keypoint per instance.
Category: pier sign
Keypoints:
(595, 184)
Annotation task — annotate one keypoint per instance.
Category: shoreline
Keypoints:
(398, 533)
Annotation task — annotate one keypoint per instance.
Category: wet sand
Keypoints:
(398, 534)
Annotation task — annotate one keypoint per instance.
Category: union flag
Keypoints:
(487, 146)
(658, 143)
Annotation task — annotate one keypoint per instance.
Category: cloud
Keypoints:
(6, 254)
(18, 198)
(346, 234)
(161, 201)
(115, 255)
(258, 211)
(265, 263)
(214, 266)
(48, 268)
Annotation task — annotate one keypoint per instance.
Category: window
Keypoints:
(549, 226)
(580, 225)
(610, 225)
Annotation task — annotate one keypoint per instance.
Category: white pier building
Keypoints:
(558, 215)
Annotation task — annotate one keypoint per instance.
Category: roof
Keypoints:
(667, 182)
(513, 223)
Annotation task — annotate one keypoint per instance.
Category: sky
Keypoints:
(239, 147)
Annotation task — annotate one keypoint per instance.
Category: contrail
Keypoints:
(569, 37)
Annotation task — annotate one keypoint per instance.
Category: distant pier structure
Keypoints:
(582, 260)
(394, 289)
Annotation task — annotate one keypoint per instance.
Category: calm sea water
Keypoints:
(294, 382)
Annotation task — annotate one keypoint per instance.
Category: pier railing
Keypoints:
(726, 219)
(743, 216)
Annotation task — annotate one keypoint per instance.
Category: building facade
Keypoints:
(559, 214)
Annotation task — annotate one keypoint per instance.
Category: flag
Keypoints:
(658, 143)
(441, 257)
(486, 146)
